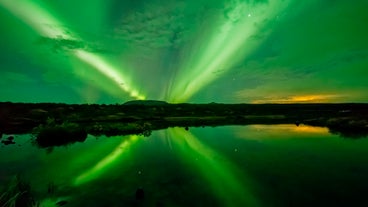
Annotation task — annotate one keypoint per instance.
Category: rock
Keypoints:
(38, 111)
(7, 142)
(297, 123)
(61, 203)
(139, 194)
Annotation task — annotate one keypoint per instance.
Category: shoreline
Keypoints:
(350, 120)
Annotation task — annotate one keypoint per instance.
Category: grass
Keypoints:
(17, 194)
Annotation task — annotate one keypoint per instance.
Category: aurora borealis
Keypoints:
(256, 51)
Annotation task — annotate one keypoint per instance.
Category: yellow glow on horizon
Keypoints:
(292, 128)
(312, 98)
(311, 129)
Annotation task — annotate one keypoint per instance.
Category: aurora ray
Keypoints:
(224, 51)
(108, 70)
(43, 22)
(230, 41)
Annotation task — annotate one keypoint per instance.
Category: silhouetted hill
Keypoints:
(146, 102)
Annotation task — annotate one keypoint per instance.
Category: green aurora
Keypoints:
(111, 51)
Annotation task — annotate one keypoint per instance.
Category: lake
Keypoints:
(253, 165)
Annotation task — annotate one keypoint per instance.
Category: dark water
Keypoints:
(258, 165)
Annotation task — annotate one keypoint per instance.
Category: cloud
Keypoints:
(60, 44)
(236, 10)
(157, 25)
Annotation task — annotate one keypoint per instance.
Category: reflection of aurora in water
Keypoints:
(104, 164)
(221, 166)
(230, 186)
(233, 188)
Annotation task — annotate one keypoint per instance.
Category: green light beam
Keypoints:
(106, 162)
(108, 70)
(44, 23)
(230, 41)
(231, 186)
(36, 17)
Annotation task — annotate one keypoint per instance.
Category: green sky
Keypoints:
(112, 51)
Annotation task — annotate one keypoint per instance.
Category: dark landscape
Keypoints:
(58, 124)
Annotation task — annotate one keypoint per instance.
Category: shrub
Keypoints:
(53, 134)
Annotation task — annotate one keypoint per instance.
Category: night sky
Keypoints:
(198, 51)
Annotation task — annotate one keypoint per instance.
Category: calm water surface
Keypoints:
(256, 165)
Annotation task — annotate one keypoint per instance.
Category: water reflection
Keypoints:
(224, 179)
(103, 165)
(256, 165)
(280, 131)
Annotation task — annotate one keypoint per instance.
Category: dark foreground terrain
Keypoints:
(141, 117)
